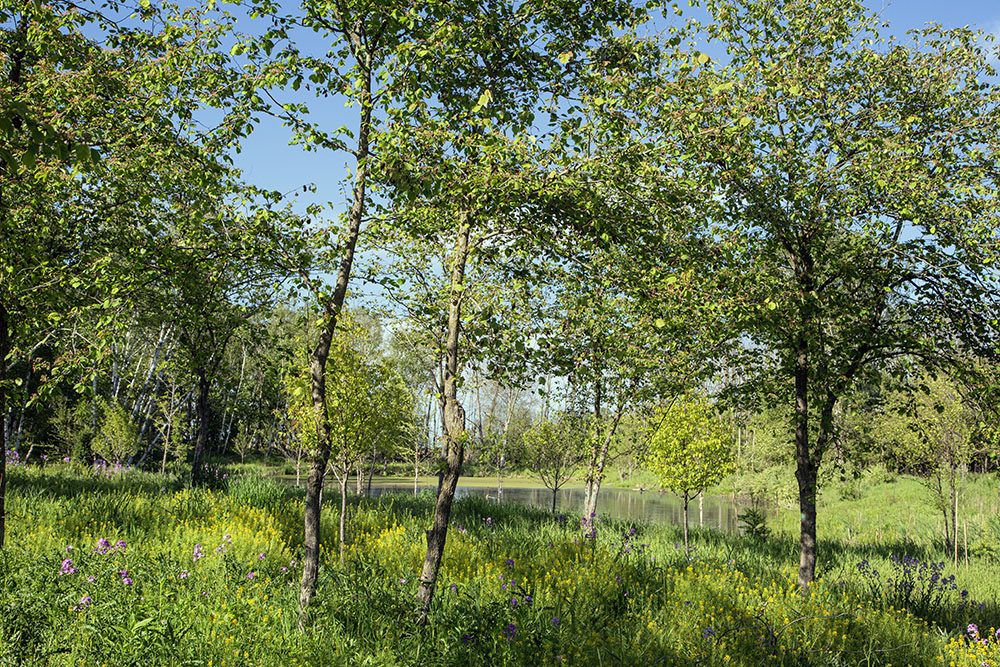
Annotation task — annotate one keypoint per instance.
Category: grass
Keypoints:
(517, 587)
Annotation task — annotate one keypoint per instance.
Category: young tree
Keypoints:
(208, 283)
(466, 174)
(933, 426)
(690, 450)
(369, 53)
(369, 404)
(117, 435)
(848, 197)
(554, 448)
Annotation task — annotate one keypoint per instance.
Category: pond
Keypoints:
(646, 506)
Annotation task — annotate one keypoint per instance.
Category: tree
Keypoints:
(847, 197)
(93, 139)
(690, 450)
(370, 49)
(208, 281)
(464, 168)
(370, 408)
(554, 448)
(117, 436)
(933, 424)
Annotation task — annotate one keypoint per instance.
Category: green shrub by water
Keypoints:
(137, 570)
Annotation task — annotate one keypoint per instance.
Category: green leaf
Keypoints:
(484, 100)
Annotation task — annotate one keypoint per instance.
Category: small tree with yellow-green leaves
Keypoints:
(690, 449)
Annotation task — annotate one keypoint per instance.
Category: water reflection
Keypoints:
(649, 506)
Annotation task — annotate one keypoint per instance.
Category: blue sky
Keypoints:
(268, 161)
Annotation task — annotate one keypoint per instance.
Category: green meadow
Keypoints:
(135, 569)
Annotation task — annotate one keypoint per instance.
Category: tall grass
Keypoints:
(158, 574)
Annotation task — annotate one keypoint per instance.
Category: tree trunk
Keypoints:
(954, 513)
(687, 548)
(320, 354)
(202, 414)
(454, 428)
(592, 484)
(701, 509)
(805, 472)
(4, 351)
(554, 490)
(371, 473)
(343, 514)
(503, 443)
(166, 449)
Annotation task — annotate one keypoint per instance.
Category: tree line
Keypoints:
(558, 200)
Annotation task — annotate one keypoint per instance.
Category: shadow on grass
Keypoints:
(526, 529)
(34, 482)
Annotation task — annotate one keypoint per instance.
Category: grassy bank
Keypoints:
(134, 570)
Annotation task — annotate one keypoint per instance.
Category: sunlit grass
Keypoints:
(211, 578)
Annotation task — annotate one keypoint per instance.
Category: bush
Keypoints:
(753, 521)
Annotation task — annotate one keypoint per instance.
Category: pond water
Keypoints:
(649, 506)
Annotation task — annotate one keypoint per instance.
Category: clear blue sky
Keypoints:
(268, 161)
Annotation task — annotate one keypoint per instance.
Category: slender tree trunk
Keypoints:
(166, 447)
(359, 478)
(343, 514)
(202, 410)
(687, 548)
(555, 489)
(592, 483)
(503, 443)
(93, 403)
(701, 509)
(454, 428)
(4, 351)
(416, 448)
(16, 50)
(954, 512)
(371, 473)
(320, 354)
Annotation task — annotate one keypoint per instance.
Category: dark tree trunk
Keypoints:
(454, 428)
(202, 416)
(805, 472)
(166, 447)
(554, 491)
(4, 351)
(320, 354)
(17, 50)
